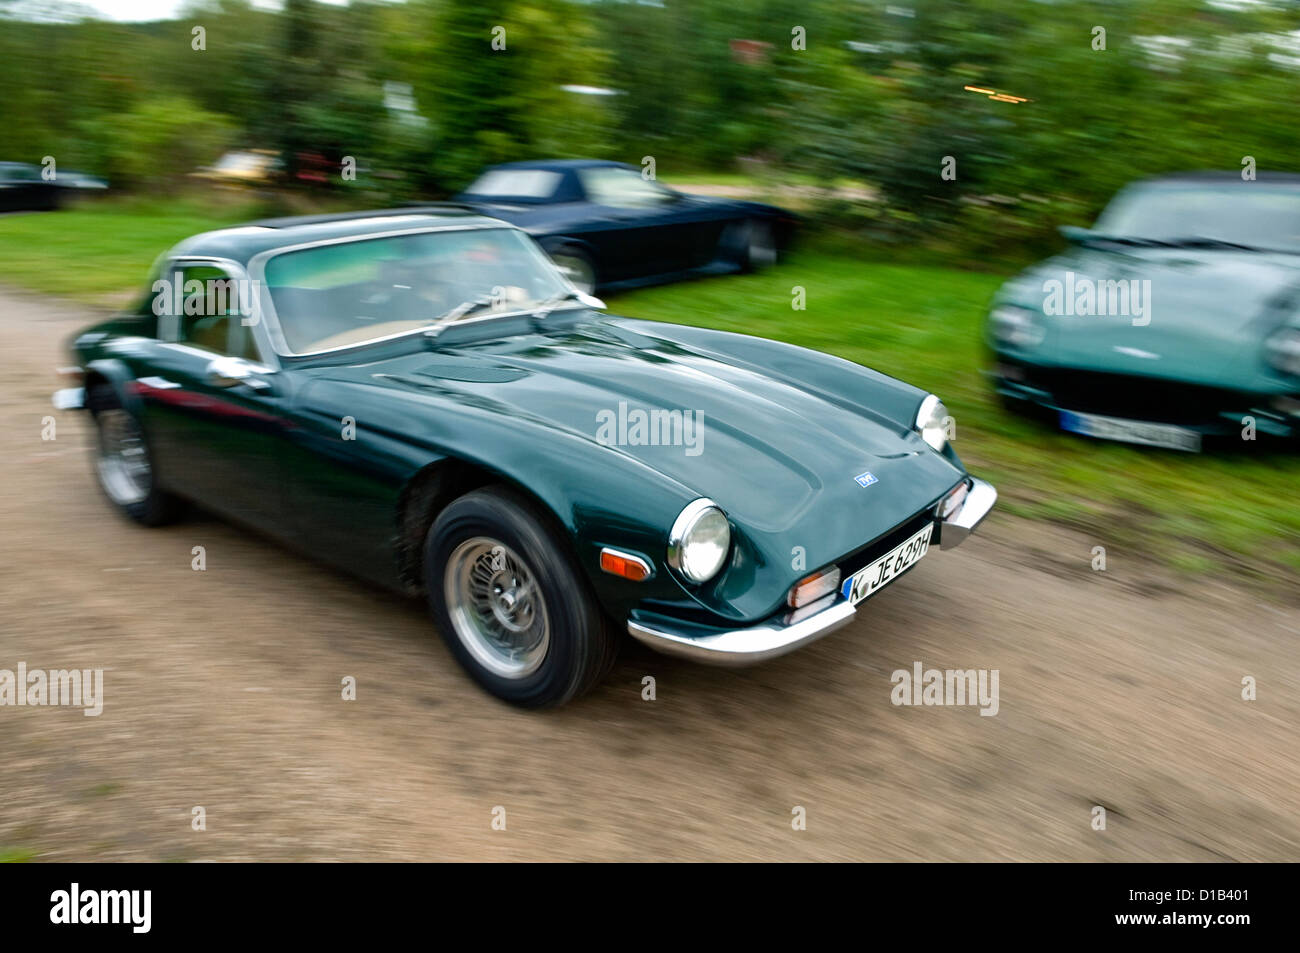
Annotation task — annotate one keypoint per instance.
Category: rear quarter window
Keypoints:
(521, 183)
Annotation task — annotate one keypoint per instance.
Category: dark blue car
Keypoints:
(608, 226)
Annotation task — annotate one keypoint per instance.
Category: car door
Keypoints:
(700, 226)
(22, 188)
(632, 223)
(216, 409)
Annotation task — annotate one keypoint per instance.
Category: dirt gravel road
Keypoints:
(1119, 689)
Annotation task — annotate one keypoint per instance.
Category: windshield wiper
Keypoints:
(1097, 237)
(1085, 237)
(455, 314)
(486, 301)
(553, 302)
(1189, 241)
(1203, 241)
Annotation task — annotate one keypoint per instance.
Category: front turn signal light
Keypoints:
(811, 588)
(627, 565)
(953, 501)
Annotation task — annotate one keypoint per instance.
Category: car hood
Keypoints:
(1208, 312)
(769, 446)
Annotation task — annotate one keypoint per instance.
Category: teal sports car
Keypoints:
(1173, 321)
(420, 397)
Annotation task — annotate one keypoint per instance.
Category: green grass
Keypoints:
(1211, 513)
(101, 253)
(16, 855)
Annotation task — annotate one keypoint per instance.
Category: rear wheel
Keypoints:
(123, 462)
(760, 246)
(511, 604)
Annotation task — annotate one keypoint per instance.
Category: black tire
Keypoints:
(577, 267)
(580, 645)
(154, 506)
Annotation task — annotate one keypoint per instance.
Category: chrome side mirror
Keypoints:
(229, 371)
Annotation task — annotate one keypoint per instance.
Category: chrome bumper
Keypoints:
(960, 524)
(734, 647)
(69, 398)
(742, 646)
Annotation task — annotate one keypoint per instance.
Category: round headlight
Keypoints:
(932, 422)
(1016, 327)
(1284, 351)
(699, 541)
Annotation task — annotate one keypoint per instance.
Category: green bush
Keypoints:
(157, 143)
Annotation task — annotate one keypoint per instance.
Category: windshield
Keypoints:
(1258, 214)
(360, 291)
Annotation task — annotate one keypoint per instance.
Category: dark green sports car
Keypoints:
(1176, 318)
(420, 397)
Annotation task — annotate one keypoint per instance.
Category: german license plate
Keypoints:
(870, 580)
(1131, 431)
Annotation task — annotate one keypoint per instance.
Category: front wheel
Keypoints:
(510, 603)
(124, 464)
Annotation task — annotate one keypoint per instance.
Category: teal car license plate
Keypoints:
(1131, 431)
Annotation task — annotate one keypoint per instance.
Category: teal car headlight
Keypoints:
(932, 422)
(1014, 326)
(1283, 351)
(699, 541)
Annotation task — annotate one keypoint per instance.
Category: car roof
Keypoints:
(242, 242)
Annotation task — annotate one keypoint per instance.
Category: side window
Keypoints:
(204, 311)
(623, 188)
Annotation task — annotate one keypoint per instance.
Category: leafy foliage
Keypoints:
(870, 93)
